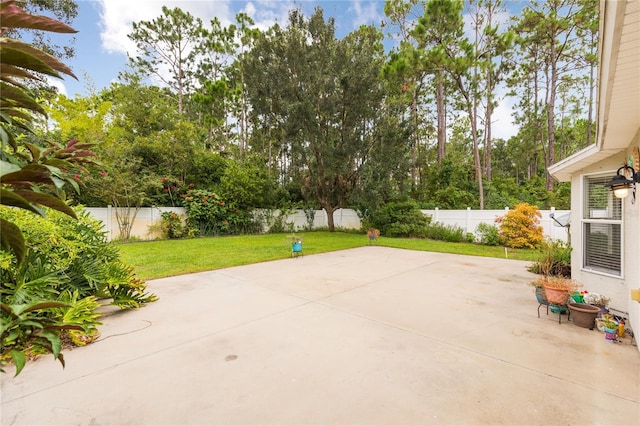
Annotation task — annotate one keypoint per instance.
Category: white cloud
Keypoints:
(58, 84)
(366, 12)
(502, 121)
(266, 13)
(118, 15)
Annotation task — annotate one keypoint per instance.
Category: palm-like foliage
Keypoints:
(30, 175)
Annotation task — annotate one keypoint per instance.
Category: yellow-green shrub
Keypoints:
(520, 227)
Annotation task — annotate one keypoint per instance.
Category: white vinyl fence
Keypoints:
(469, 220)
(145, 225)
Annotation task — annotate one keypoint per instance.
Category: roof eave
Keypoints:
(563, 170)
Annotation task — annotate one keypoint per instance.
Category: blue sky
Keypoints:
(102, 43)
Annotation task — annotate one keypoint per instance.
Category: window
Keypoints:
(601, 227)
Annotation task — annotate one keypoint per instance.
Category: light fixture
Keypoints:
(621, 185)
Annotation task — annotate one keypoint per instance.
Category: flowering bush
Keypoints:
(172, 190)
(206, 212)
(172, 225)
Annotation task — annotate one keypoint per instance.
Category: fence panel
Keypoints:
(147, 217)
(470, 219)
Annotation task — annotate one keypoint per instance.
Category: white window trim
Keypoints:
(604, 222)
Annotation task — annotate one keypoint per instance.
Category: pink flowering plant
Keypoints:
(206, 212)
(209, 214)
(172, 225)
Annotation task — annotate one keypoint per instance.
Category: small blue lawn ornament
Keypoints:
(296, 248)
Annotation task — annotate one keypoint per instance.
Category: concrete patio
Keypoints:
(365, 336)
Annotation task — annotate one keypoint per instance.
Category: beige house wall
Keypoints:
(617, 288)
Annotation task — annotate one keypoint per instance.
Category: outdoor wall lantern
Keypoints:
(621, 185)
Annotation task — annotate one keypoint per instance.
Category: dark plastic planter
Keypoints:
(584, 315)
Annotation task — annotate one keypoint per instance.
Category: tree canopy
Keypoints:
(351, 121)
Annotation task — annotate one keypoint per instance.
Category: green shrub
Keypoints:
(205, 211)
(489, 235)
(52, 295)
(449, 233)
(554, 259)
(520, 227)
(399, 219)
(81, 312)
(209, 214)
(79, 251)
(172, 227)
(30, 328)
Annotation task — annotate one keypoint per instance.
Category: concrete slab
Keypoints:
(365, 336)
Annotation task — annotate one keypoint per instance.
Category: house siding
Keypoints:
(617, 288)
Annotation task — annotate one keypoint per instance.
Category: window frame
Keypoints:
(599, 221)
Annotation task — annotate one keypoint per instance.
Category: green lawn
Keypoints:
(157, 259)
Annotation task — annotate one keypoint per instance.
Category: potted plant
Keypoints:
(558, 289)
(598, 300)
(296, 245)
(539, 289)
(610, 328)
(540, 295)
(584, 315)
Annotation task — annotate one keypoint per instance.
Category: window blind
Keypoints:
(602, 226)
(599, 201)
(602, 247)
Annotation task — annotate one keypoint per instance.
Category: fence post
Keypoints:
(466, 225)
(435, 215)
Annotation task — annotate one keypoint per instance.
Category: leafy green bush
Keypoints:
(520, 227)
(79, 252)
(489, 234)
(52, 295)
(172, 225)
(29, 328)
(399, 219)
(205, 212)
(449, 233)
(81, 312)
(555, 259)
(209, 214)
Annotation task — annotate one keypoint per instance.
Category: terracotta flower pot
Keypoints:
(556, 296)
(584, 315)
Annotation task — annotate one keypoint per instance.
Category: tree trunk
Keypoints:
(591, 90)
(551, 155)
(414, 150)
(487, 144)
(330, 224)
(441, 112)
(476, 155)
(473, 116)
